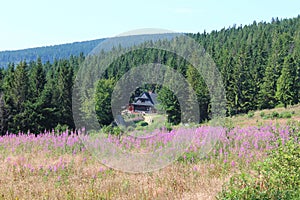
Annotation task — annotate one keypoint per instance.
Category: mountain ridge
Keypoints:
(48, 53)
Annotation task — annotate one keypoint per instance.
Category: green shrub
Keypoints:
(266, 117)
(276, 178)
(274, 114)
(285, 115)
(168, 126)
(114, 130)
(142, 123)
(250, 114)
(228, 123)
(281, 105)
(60, 128)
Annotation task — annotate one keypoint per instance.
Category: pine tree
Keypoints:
(286, 93)
(20, 96)
(64, 92)
(201, 90)
(170, 104)
(37, 80)
(280, 49)
(48, 112)
(3, 124)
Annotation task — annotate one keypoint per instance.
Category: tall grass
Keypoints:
(58, 166)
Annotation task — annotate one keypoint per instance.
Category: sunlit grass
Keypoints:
(58, 166)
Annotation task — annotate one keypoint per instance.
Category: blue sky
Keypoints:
(33, 23)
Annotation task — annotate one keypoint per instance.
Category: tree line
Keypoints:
(48, 53)
(36, 96)
(259, 64)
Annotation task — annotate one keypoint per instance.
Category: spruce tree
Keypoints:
(286, 93)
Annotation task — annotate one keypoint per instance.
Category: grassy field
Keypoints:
(58, 166)
(263, 117)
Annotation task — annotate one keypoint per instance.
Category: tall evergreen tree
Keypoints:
(286, 93)
(64, 88)
(20, 96)
(37, 80)
(170, 104)
(201, 90)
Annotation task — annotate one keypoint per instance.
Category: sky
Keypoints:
(35, 23)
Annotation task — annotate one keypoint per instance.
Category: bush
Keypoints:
(142, 123)
(281, 105)
(168, 126)
(229, 124)
(274, 114)
(113, 130)
(276, 178)
(61, 128)
(250, 114)
(285, 115)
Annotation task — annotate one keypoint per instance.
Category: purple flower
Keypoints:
(101, 169)
(233, 164)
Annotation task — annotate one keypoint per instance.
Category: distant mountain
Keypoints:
(48, 53)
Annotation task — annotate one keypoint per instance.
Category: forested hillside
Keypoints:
(49, 53)
(259, 63)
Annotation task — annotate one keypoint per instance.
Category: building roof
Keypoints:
(150, 99)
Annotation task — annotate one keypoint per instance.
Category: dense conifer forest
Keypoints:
(259, 63)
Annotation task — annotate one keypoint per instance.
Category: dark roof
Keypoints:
(143, 103)
(151, 99)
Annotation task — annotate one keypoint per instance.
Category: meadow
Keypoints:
(57, 165)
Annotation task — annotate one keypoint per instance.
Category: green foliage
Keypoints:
(103, 101)
(258, 64)
(276, 178)
(63, 94)
(250, 114)
(170, 104)
(228, 123)
(279, 105)
(198, 84)
(286, 92)
(285, 115)
(37, 97)
(49, 53)
(142, 123)
(113, 130)
(189, 157)
(275, 114)
(61, 128)
(168, 126)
